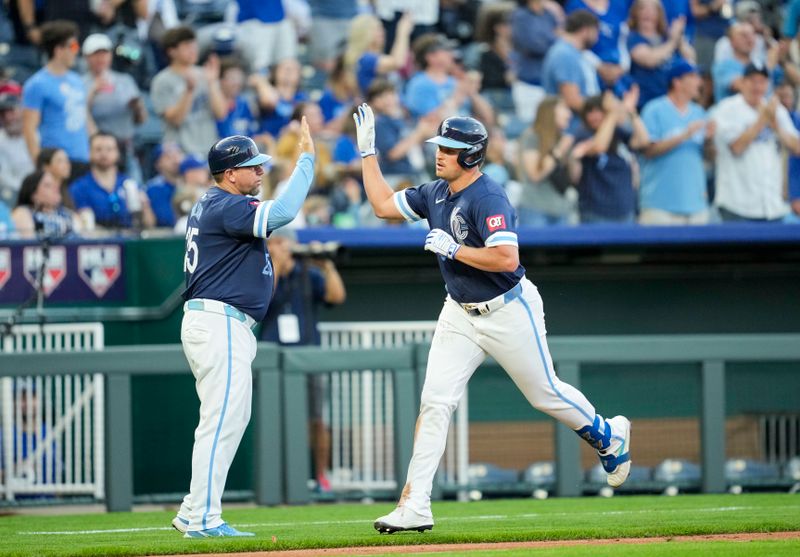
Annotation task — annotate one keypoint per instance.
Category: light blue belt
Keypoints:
(229, 310)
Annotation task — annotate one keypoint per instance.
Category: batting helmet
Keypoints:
(467, 134)
(233, 152)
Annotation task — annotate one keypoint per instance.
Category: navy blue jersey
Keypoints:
(226, 255)
(477, 216)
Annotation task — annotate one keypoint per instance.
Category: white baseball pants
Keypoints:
(515, 336)
(220, 349)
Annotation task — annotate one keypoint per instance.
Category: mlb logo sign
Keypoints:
(5, 266)
(99, 267)
(496, 222)
(55, 266)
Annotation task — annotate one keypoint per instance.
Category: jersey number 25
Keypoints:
(192, 253)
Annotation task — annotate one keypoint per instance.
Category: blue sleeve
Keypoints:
(412, 203)
(79, 197)
(33, 95)
(285, 208)
(495, 221)
(245, 217)
(566, 70)
(532, 35)
(421, 97)
(635, 39)
(792, 19)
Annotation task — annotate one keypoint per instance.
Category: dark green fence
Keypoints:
(280, 398)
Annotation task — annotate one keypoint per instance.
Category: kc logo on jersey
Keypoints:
(5, 266)
(99, 267)
(55, 266)
(458, 226)
(496, 222)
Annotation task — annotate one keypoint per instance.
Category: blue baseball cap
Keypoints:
(680, 69)
(190, 162)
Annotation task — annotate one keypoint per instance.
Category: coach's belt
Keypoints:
(483, 308)
(215, 306)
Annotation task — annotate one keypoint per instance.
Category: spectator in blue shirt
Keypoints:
(534, 29)
(611, 15)
(161, 187)
(566, 72)
(435, 90)
(338, 96)
(364, 52)
(604, 148)
(55, 111)
(239, 119)
(726, 74)
(394, 138)
(102, 197)
(673, 189)
(278, 95)
(654, 48)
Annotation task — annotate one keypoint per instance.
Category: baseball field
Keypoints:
(729, 525)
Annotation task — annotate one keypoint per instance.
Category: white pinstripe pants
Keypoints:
(515, 336)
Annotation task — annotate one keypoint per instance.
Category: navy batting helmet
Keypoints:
(233, 152)
(467, 134)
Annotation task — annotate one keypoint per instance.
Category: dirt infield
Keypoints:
(439, 548)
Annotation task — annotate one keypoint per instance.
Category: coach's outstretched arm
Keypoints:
(285, 208)
(379, 193)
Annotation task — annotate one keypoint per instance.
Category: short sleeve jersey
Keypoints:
(477, 216)
(226, 256)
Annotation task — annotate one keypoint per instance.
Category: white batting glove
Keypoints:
(439, 241)
(365, 130)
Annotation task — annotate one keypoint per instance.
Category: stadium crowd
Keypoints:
(650, 111)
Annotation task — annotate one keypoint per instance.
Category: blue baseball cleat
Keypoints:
(224, 530)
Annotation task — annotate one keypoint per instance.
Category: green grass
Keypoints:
(486, 521)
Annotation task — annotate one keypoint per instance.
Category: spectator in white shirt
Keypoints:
(750, 132)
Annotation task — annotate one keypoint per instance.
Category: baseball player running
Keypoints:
(490, 308)
(229, 281)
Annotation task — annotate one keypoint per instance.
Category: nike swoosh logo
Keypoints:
(440, 200)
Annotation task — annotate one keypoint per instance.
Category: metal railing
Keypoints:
(52, 427)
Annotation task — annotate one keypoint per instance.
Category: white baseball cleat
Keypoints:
(402, 519)
(180, 524)
(616, 459)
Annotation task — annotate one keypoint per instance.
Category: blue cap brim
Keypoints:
(447, 142)
(258, 160)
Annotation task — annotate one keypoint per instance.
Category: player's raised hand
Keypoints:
(306, 143)
(439, 241)
(365, 130)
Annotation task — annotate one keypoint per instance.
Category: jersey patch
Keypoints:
(496, 222)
